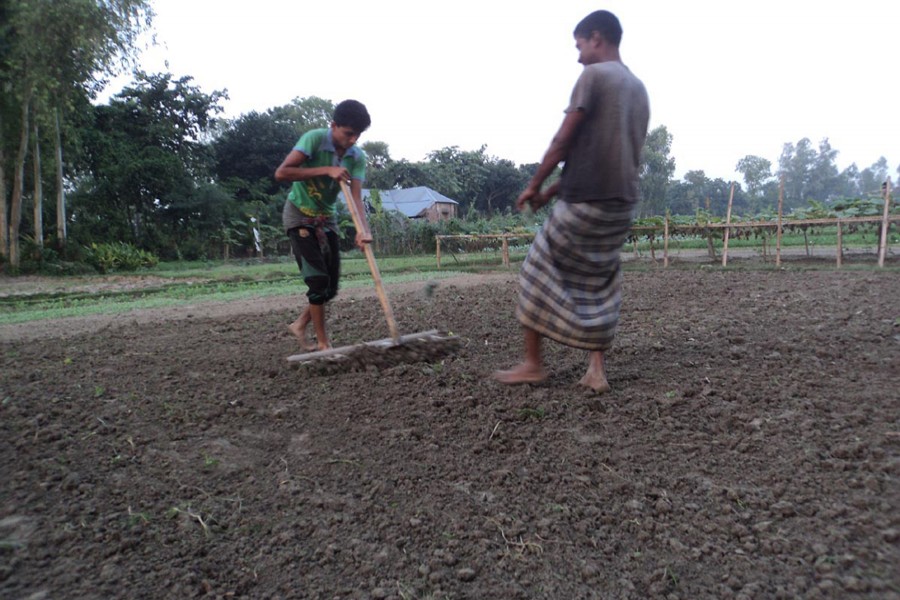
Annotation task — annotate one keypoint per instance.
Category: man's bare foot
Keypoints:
(522, 373)
(299, 332)
(595, 381)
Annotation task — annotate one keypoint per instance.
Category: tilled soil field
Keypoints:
(750, 448)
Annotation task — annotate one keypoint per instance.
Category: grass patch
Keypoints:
(178, 293)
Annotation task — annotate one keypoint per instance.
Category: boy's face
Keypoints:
(343, 137)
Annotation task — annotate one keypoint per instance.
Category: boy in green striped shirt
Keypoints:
(319, 161)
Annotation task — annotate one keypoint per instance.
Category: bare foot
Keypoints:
(523, 373)
(299, 332)
(595, 381)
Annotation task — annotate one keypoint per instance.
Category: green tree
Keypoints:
(249, 149)
(478, 181)
(825, 183)
(850, 182)
(378, 155)
(657, 168)
(697, 191)
(871, 178)
(502, 186)
(54, 52)
(796, 166)
(144, 154)
(459, 174)
(686, 197)
(756, 171)
(403, 174)
(304, 114)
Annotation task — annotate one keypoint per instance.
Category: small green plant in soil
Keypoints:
(533, 413)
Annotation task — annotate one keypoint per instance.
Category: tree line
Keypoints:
(809, 173)
(158, 168)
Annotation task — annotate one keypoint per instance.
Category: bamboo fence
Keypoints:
(669, 228)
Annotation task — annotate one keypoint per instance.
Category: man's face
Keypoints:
(343, 136)
(588, 48)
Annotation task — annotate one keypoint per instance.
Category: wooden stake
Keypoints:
(437, 241)
(710, 248)
(778, 233)
(506, 252)
(666, 240)
(727, 228)
(840, 244)
(882, 246)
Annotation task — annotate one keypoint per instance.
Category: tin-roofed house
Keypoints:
(416, 203)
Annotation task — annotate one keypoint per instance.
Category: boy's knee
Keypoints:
(320, 297)
(319, 290)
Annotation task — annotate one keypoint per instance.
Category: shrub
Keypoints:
(119, 256)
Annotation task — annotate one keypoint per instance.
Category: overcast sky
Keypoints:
(727, 79)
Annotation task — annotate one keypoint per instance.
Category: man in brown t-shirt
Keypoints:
(570, 284)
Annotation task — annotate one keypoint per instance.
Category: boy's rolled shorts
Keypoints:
(320, 266)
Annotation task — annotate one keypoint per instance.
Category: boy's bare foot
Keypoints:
(523, 373)
(596, 381)
(299, 331)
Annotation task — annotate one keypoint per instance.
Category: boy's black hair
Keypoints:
(353, 114)
(603, 22)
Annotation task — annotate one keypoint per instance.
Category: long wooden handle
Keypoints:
(373, 266)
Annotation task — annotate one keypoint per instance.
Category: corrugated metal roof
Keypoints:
(411, 202)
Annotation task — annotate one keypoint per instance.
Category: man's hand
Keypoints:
(533, 198)
(362, 239)
(527, 198)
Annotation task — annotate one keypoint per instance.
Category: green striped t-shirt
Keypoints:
(316, 197)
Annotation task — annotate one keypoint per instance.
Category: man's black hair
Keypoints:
(603, 22)
(353, 114)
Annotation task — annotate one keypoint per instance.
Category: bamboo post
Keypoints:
(666, 240)
(652, 252)
(710, 248)
(840, 244)
(882, 246)
(780, 212)
(506, 252)
(437, 241)
(634, 241)
(727, 227)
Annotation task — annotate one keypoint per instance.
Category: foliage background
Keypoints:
(158, 169)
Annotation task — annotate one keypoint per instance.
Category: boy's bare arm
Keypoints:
(292, 169)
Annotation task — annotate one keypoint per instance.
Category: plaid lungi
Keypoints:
(571, 282)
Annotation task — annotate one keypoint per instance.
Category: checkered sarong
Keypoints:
(570, 283)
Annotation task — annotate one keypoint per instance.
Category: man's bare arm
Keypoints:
(556, 153)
